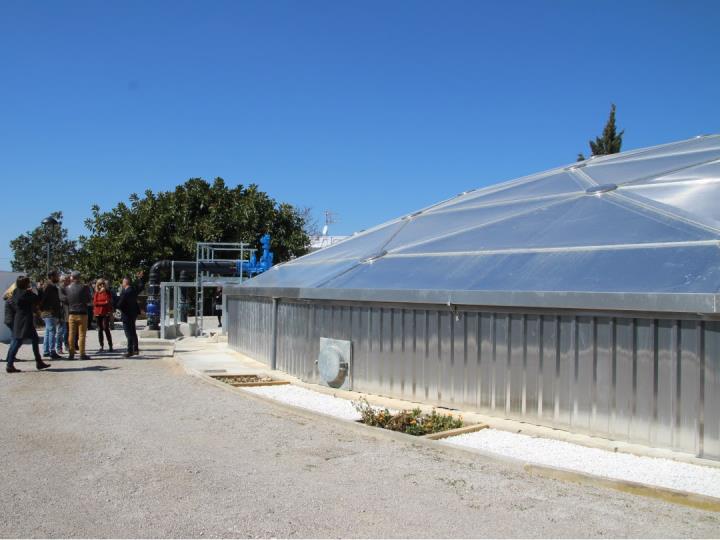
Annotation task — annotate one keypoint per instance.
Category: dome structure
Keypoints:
(636, 223)
(584, 298)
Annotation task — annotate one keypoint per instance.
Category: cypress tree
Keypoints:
(610, 142)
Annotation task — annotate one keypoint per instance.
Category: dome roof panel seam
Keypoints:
(671, 183)
(487, 224)
(506, 202)
(662, 210)
(559, 249)
(379, 253)
(657, 178)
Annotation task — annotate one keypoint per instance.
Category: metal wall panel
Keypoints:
(250, 326)
(711, 402)
(604, 387)
(643, 380)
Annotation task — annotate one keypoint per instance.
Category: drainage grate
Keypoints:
(248, 380)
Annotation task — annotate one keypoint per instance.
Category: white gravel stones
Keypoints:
(307, 399)
(619, 466)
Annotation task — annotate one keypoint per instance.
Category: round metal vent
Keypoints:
(604, 188)
(333, 366)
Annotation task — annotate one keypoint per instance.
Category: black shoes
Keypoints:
(55, 356)
(39, 364)
(84, 357)
(71, 356)
(13, 369)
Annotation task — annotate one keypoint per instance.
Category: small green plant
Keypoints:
(411, 422)
(241, 379)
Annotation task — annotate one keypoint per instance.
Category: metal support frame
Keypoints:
(165, 288)
(209, 252)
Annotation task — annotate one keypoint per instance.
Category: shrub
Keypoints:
(411, 422)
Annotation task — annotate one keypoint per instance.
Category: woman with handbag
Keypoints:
(25, 300)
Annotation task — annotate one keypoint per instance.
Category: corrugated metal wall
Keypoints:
(650, 381)
(249, 327)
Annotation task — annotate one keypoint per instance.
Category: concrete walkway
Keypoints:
(116, 447)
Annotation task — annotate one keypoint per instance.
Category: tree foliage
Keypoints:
(166, 225)
(610, 142)
(30, 250)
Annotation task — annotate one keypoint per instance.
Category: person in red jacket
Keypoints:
(102, 309)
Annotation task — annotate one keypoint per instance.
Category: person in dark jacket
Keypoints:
(51, 312)
(90, 308)
(129, 309)
(24, 301)
(217, 300)
(78, 297)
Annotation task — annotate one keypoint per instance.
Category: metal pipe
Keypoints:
(182, 316)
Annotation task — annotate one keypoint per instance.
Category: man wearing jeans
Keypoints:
(51, 312)
(62, 328)
(78, 297)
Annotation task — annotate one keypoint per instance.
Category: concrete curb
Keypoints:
(472, 428)
(683, 498)
(494, 422)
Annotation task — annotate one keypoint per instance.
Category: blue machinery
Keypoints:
(209, 270)
(254, 267)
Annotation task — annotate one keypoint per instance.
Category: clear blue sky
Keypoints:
(370, 109)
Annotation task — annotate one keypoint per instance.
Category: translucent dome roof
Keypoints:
(640, 222)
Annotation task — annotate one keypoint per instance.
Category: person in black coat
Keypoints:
(24, 301)
(217, 300)
(129, 309)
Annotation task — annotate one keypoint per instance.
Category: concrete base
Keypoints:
(187, 329)
(174, 331)
(149, 333)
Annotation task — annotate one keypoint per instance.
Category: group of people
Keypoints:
(66, 305)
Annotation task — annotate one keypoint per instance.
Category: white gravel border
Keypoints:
(658, 472)
(308, 399)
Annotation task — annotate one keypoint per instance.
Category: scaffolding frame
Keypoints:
(209, 252)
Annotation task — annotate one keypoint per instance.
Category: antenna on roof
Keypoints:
(330, 218)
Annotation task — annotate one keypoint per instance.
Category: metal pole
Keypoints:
(49, 248)
(273, 344)
(162, 311)
(223, 329)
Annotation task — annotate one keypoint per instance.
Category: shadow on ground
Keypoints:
(87, 368)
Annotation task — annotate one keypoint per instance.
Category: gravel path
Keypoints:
(137, 448)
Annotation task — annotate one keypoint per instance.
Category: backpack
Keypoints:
(9, 312)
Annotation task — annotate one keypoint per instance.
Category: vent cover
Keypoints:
(334, 362)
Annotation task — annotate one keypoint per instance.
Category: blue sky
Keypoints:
(370, 109)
